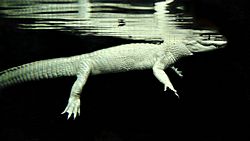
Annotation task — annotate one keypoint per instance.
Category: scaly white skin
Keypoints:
(130, 57)
(124, 58)
(158, 70)
(74, 99)
(120, 58)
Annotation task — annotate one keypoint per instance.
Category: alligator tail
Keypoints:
(44, 69)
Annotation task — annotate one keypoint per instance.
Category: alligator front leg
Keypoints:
(74, 99)
(158, 70)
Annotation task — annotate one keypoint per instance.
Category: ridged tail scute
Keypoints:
(44, 69)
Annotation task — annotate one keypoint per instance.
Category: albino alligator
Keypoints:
(122, 58)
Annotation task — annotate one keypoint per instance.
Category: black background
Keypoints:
(214, 92)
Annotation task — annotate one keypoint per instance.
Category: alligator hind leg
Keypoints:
(73, 106)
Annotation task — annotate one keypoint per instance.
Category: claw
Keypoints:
(78, 111)
(73, 107)
(75, 116)
(177, 95)
(65, 110)
(172, 89)
(69, 115)
(75, 112)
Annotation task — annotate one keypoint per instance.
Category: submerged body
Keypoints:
(125, 58)
(122, 58)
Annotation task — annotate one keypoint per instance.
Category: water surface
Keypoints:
(136, 20)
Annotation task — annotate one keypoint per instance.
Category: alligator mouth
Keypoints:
(218, 44)
(204, 46)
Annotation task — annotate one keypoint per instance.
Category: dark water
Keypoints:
(119, 107)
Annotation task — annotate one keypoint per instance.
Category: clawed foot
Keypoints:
(178, 72)
(172, 89)
(73, 107)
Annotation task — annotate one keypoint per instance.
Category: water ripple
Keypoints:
(153, 20)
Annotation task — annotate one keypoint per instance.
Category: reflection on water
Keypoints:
(151, 20)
